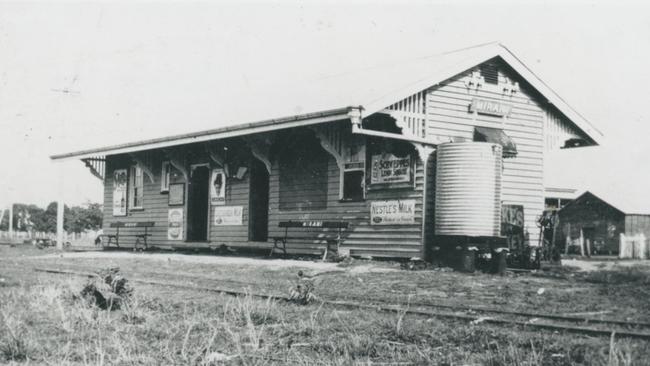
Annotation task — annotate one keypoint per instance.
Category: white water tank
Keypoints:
(468, 189)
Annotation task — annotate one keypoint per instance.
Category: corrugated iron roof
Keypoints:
(372, 88)
(621, 200)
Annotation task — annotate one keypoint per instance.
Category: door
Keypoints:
(258, 225)
(197, 204)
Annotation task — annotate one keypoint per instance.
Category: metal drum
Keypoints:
(468, 189)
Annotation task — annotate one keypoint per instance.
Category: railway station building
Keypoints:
(450, 145)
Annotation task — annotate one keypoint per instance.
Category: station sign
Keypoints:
(490, 107)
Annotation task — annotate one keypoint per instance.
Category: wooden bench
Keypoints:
(339, 225)
(116, 237)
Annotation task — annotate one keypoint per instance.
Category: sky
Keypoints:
(90, 74)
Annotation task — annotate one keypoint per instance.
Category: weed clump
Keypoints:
(108, 291)
(303, 292)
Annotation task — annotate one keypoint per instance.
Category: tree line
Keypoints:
(75, 219)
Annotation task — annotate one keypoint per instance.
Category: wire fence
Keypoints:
(30, 237)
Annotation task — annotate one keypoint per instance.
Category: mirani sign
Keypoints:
(395, 212)
(490, 107)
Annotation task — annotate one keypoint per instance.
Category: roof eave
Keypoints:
(219, 133)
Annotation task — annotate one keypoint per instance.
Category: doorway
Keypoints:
(258, 225)
(197, 204)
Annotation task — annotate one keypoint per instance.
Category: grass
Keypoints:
(42, 322)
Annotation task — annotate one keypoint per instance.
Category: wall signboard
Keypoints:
(218, 187)
(177, 194)
(227, 215)
(175, 224)
(119, 192)
(394, 212)
(388, 168)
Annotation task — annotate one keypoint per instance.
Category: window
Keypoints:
(136, 187)
(165, 176)
(353, 185)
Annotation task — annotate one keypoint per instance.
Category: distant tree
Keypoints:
(24, 216)
(81, 218)
(75, 219)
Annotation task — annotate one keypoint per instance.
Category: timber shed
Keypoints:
(598, 223)
(362, 150)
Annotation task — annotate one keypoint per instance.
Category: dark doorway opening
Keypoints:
(258, 226)
(197, 204)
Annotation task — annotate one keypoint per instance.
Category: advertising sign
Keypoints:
(396, 212)
(119, 192)
(512, 225)
(388, 168)
(228, 215)
(175, 224)
(218, 187)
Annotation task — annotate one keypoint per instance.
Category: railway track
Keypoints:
(474, 315)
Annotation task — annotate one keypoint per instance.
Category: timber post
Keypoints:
(11, 221)
(59, 214)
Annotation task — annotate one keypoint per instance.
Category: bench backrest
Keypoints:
(317, 224)
(132, 224)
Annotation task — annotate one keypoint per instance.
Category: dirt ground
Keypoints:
(368, 266)
(169, 319)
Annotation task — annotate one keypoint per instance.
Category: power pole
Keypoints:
(59, 224)
(11, 221)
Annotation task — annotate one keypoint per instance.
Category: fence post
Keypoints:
(642, 246)
(621, 245)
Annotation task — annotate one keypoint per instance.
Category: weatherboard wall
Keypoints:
(449, 119)
(361, 238)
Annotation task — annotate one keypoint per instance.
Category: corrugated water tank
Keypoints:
(468, 189)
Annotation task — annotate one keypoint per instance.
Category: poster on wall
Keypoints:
(218, 187)
(395, 212)
(176, 194)
(228, 215)
(119, 192)
(512, 225)
(175, 224)
(388, 168)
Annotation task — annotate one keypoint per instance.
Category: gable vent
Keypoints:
(490, 74)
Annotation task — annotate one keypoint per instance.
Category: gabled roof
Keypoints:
(621, 202)
(329, 98)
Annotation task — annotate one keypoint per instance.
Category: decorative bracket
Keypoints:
(331, 140)
(423, 151)
(475, 81)
(261, 150)
(511, 87)
(178, 159)
(145, 162)
(97, 166)
(215, 154)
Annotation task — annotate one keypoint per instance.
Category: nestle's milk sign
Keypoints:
(397, 212)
